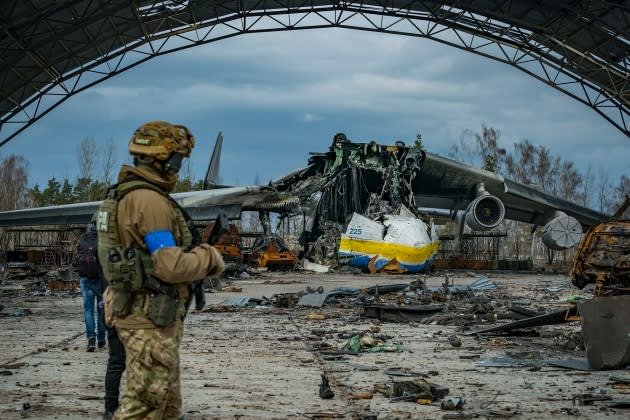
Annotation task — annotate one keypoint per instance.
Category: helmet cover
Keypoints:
(160, 139)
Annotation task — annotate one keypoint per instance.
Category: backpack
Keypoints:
(87, 260)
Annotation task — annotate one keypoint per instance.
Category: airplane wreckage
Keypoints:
(370, 206)
(361, 200)
(360, 205)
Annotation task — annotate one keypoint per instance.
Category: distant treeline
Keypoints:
(90, 184)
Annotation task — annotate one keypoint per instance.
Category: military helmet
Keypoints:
(159, 139)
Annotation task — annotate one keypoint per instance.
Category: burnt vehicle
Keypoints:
(603, 257)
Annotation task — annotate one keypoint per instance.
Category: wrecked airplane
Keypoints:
(384, 184)
(377, 181)
(359, 206)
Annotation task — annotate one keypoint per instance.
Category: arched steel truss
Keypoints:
(52, 50)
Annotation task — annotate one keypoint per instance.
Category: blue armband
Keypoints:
(159, 239)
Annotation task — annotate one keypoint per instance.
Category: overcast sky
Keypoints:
(278, 96)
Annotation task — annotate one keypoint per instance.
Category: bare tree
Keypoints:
(13, 178)
(520, 166)
(588, 187)
(570, 181)
(536, 166)
(545, 168)
(87, 154)
(603, 191)
(185, 181)
(622, 191)
(464, 150)
(186, 171)
(480, 149)
(108, 161)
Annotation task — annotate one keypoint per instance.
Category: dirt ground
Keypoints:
(267, 361)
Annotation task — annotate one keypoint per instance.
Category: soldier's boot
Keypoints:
(91, 345)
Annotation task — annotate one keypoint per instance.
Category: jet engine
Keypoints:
(562, 232)
(485, 212)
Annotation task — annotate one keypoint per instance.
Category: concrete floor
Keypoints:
(265, 362)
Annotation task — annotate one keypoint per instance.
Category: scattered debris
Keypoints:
(482, 283)
(400, 313)
(575, 364)
(369, 343)
(588, 399)
(314, 267)
(271, 252)
(13, 365)
(535, 321)
(320, 326)
(454, 341)
(530, 359)
(453, 403)
(557, 286)
(417, 390)
(324, 388)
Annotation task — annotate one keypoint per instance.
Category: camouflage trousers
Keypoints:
(152, 389)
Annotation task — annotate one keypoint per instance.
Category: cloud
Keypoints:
(309, 117)
(277, 96)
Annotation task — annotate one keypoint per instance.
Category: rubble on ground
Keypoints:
(329, 345)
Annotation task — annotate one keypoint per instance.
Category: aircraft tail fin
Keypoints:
(212, 174)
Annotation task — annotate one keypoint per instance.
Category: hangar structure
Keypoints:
(53, 49)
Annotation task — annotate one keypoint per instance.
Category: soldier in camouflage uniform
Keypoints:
(147, 258)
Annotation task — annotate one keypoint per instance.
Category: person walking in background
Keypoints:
(91, 282)
(115, 361)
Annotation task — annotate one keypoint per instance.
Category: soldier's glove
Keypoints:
(217, 266)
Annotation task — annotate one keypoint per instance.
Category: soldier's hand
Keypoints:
(217, 265)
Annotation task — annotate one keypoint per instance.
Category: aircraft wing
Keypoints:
(447, 184)
(201, 205)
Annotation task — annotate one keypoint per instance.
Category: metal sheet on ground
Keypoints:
(313, 299)
(606, 330)
(574, 364)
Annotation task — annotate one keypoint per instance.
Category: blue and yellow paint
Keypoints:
(387, 256)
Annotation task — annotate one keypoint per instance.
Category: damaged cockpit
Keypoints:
(354, 199)
(365, 178)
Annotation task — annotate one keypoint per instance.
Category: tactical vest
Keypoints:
(130, 270)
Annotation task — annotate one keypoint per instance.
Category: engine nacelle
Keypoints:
(484, 213)
(562, 232)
